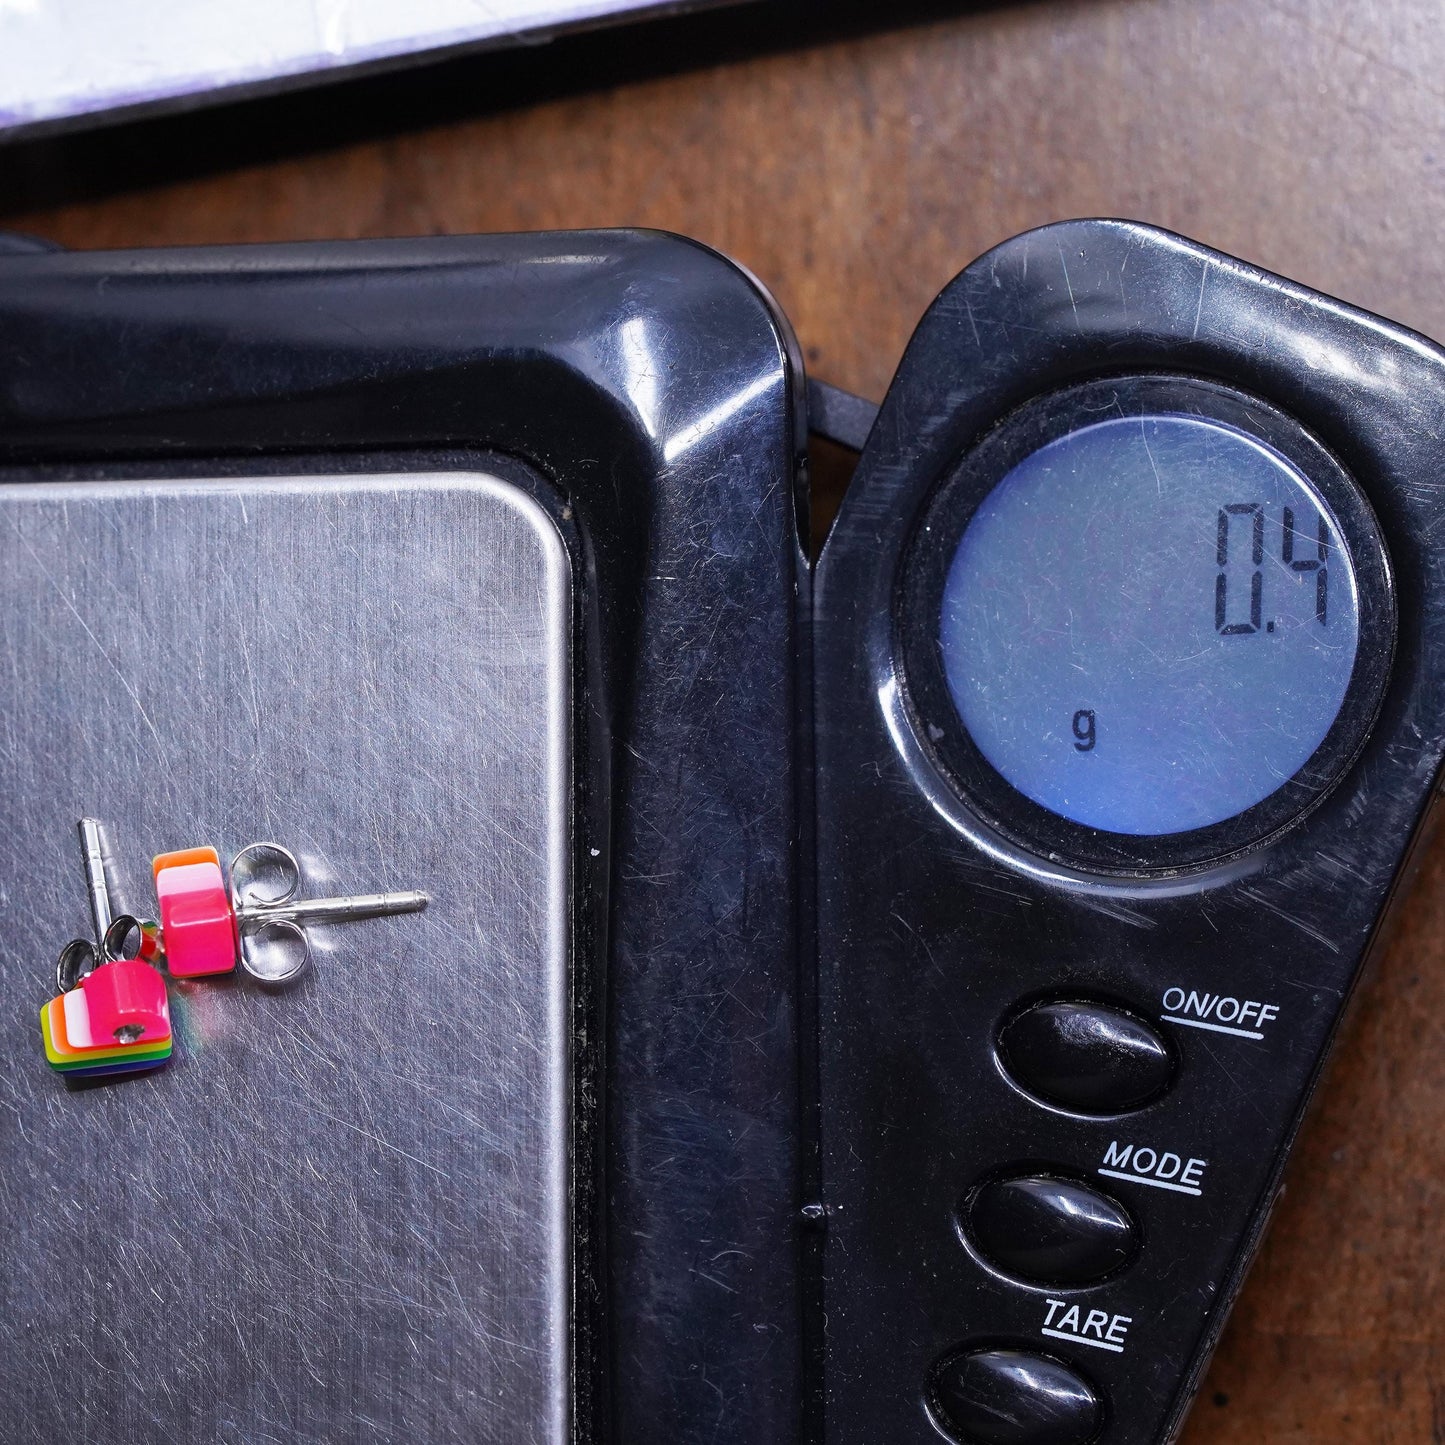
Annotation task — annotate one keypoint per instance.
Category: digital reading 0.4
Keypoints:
(1150, 622)
(1252, 516)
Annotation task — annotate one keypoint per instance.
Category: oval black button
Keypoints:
(1086, 1057)
(1051, 1231)
(1012, 1397)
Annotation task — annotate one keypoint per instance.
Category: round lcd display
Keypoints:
(1151, 622)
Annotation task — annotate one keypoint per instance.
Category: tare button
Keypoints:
(1158, 1168)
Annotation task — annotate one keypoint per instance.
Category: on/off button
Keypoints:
(1086, 1057)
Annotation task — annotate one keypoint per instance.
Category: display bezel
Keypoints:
(929, 555)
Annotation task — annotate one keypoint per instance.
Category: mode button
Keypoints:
(1050, 1231)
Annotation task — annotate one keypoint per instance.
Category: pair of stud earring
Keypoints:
(111, 1015)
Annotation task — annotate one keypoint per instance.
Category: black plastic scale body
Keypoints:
(1061, 1065)
(566, 369)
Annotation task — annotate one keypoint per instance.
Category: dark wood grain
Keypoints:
(855, 168)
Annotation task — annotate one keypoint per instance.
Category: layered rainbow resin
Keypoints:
(80, 1027)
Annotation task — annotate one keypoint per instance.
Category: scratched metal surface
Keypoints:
(341, 1213)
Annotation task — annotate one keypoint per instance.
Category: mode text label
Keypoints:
(1159, 1168)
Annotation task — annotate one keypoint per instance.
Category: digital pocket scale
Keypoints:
(864, 1005)
(1128, 697)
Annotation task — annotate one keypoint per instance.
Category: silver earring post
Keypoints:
(115, 937)
(92, 850)
(268, 911)
(333, 910)
(80, 956)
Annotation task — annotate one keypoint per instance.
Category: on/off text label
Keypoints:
(1219, 1013)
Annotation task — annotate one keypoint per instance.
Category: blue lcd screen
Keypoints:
(1150, 624)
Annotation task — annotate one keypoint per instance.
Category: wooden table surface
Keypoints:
(855, 163)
